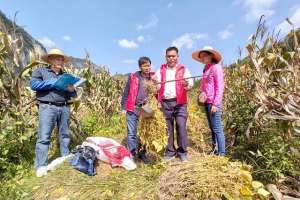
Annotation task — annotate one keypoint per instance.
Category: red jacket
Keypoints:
(133, 92)
(181, 93)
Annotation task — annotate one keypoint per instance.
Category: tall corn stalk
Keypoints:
(262, 101)
(17, 118)
(276, 80)
(102, 91)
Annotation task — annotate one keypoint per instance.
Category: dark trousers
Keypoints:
(176, 114)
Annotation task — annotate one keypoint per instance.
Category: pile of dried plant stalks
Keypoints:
(153, 131)
(197, 127)
(209, 177)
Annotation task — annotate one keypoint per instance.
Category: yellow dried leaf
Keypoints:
(246, 167)
(271, 56)
(227, 196)
(35, 187)
(246, 176)
(260, 60)
(263, 192)
(157, 146)
(60, 190)
(245, 191)
(256, 185)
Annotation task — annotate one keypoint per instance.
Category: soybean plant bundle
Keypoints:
(153, 131)
(197, 125)
(210, 177)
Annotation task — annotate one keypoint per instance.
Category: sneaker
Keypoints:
(183, 158)
(144, 158)
(134, 157)
(41, 171)
(168, 158)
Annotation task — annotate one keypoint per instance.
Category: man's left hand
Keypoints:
(186, 85)
(71, 88)
(214, 109)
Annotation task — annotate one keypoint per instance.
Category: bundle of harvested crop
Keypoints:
(153, 131)
(210, 177)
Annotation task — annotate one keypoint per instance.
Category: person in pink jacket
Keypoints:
(211, 94)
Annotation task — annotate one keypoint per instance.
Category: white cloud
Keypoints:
(284, 27)
(226, 33)
(170, 5)
(129, 44)
(47, 42)
(294, 7)
(188, 40)
(152, 23)
(129, 61)
(140, 38)
(67, 38)
(256, 8)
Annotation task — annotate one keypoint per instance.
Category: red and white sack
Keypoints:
(110, 151)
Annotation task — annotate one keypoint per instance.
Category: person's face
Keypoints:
(172, 58)
(205, 57)
(56, 60)
(145, 68)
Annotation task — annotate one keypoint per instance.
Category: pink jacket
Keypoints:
(212, 83)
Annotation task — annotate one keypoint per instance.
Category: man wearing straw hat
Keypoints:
(53, 107)
(173, 98)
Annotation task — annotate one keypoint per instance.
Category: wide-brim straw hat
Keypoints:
(217, 56)
(55, 52)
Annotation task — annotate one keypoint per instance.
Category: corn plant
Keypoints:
(18, 121)
(262, 103)
(102, 91)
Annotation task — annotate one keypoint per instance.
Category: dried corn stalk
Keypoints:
(268, 80)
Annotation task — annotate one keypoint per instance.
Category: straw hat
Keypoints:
(55, 52)
(217, 56)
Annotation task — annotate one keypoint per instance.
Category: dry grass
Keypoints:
(109, 183)
(203, 177)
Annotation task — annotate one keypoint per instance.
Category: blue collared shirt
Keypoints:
(42, 82)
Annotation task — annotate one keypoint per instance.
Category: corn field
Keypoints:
(262, 105)
(261, 108)
(17, 111)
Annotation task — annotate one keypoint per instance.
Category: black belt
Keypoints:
(169, 100)
(56, 103)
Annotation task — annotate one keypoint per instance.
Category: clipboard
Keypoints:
(67, 79)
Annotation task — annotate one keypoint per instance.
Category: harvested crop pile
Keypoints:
(153, 131)
(198, 132)
(209, 177)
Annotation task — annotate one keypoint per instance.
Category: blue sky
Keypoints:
(116, 33)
